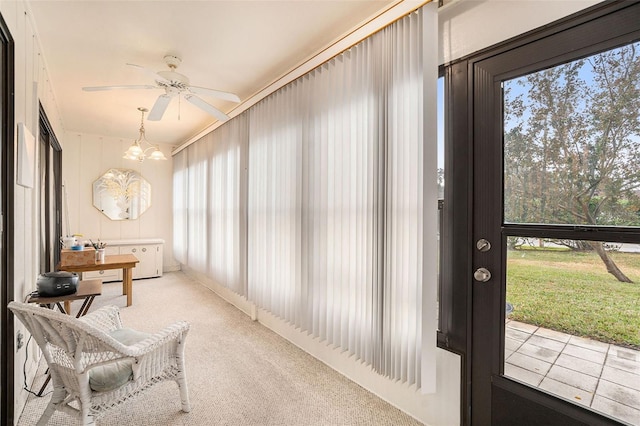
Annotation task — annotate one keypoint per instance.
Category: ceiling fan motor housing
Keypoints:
(173, 79)
(172, 61)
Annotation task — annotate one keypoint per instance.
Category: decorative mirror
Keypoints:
(121, 194)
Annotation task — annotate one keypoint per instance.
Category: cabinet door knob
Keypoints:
(144, 249)
(101, 272)
(133, 250)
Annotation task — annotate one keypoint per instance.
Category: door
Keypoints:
(7, 183)
(146, 254)
(556, 225)
(49, 196)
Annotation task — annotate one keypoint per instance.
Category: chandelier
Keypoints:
(141, 148)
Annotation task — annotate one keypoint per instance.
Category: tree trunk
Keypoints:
(612, 268)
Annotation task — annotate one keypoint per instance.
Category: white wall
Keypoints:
(30, 77)
(467, 26)
(84, 159)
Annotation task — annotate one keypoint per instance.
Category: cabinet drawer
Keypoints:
(105, 276)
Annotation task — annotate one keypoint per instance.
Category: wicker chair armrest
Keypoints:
(104, 319)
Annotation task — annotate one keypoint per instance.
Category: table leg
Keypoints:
(46, 382)
(127, 280)
(67, 307)
(85, 306)
(61, 307)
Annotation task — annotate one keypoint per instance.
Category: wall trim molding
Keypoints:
(426, 408)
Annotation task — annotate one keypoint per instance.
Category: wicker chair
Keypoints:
(95, 361)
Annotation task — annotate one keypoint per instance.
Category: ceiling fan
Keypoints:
(174, 84)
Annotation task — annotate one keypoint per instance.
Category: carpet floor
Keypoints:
(238, 371)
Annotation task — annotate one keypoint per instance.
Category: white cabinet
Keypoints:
(148, 252)
(150, 257)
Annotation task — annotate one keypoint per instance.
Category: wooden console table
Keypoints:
(115, 261)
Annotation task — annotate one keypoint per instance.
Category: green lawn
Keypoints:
(572, 292)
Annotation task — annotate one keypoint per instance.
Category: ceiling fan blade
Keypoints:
(99, 88)
(159, 108)
(215, 93)
(150, 72)
(206, 107)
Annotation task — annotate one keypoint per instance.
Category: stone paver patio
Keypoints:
(598, 375)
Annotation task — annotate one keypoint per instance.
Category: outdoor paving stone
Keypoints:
(566, 391)
(573, 378)
(522, 326)
(623, 364)
(529, 363)
(554, 345)
(624, 353)
(589, 344)
(538, 352)
(511, 345)
(578, 364)
(607, 377)
(621, 377)
(526, 376)
(515, 334)
(584, 353)
(624, 395)
(552, 334)
(615, 409)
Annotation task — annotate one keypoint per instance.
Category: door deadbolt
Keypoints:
(482, 275)
(483, 245)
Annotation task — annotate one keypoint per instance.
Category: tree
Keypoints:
(572, 145)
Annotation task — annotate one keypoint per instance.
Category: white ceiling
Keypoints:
(236, 46)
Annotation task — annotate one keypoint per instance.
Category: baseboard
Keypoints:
(171, 268)
(440, 408)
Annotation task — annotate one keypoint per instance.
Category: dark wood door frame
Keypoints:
(495, 399)
(469, 88)
(7, 126)
(53, 179)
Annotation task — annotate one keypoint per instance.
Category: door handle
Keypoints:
(483, 245)
(482, 275)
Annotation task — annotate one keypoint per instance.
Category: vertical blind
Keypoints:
(209, 202)
(332, 224)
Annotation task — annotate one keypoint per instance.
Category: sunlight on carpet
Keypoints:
(238, 371)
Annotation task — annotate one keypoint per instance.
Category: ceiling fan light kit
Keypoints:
(141, 149)
(174, 84)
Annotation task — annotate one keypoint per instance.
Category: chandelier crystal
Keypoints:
(141, 149)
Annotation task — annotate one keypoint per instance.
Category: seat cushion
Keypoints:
(105, 378)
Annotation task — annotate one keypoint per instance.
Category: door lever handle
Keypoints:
(482, 275)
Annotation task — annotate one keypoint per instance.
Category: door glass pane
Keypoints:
(572, 142)
(572, 328)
